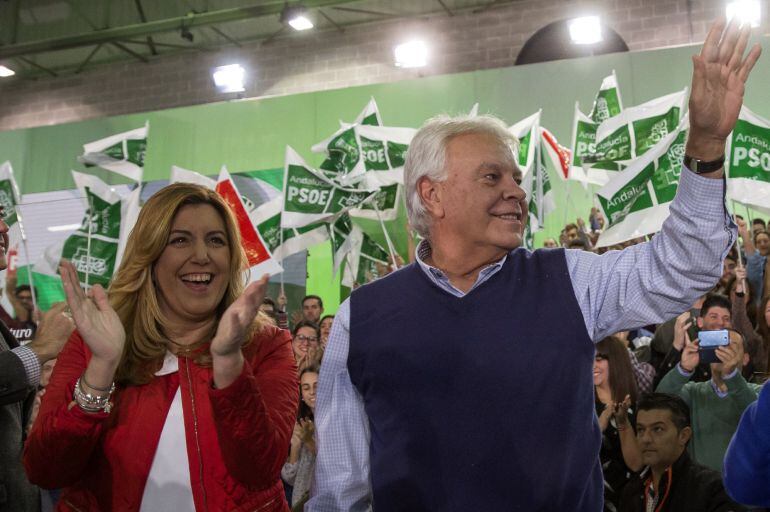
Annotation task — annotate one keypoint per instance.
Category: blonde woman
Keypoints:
(173, 393)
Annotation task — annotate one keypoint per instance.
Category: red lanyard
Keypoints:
(648, 488)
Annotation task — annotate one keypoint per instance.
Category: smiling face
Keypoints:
(715, 318)
(480, 202)
(601, 370)
(309, 385)
(304, 339)
(193, 270)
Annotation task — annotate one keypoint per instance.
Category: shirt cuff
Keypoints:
(683, 372)
(31, 364)
(731, 374)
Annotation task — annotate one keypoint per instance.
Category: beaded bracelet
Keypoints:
(92, 403)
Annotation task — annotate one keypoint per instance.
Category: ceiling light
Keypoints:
(229, 78)
(5, 72)
(413, 54)
(296, 17)
(746, 11)
(585, 30)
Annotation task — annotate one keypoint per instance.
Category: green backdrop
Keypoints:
(250, 135)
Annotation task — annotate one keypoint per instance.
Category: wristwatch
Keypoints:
(702, 166)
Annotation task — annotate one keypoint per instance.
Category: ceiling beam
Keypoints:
(191, 20)
(142, 17)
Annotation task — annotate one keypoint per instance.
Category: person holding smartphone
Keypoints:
(717, 404)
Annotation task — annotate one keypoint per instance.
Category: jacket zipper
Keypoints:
(263, 507)
(195, 429)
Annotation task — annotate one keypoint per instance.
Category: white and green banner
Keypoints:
(181, 175)
(607, 103)
(370, 115)
(630, 134)
(527, 131)
(364, 262)
(748, 162)
(583, 145)
(96, 248)
(383, 153)
(344, 236)
(309, 197)
(636, 201)
(283, 242)
(9, 193)
(387, 200)
(122, 153)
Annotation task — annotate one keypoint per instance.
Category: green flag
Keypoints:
(387, 200)
(527, 131)
(630, 134)
(365, 261)
(96, 248)
(284, 242)
(9, 193)
(122, 153)
(383, 153)
(344, 236)
(607, 103)
(635, 202)
(748, 161)
(309, 197)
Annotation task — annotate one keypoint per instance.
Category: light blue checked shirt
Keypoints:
(619, 290)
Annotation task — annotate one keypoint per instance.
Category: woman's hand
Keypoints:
(226, 355)
(604, 417)
(308, 433)
(620, 412)
(237, 318)
(96, 321)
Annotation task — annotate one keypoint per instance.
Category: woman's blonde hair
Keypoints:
(133, 294)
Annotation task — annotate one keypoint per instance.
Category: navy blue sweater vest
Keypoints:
(483, 402)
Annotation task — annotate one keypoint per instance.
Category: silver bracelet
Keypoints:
(92, 403)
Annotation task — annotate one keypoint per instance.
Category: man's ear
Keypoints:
(684, 436)
(431, 194)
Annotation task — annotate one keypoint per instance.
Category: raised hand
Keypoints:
(681, 326)
(96, 321)
(731, 355)
(620, 411)
(237, 318)
(690, 356)
(718, 83)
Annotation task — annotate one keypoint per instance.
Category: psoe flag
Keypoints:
(635, 202)
(122, 153)
(748, 165)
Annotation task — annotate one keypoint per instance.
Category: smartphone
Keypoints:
(709, 341)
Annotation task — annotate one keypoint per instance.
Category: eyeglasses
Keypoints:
(301, 338)
(601, 357)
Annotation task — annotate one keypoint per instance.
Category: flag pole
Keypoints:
(740, 258)
(88, 240)
(280, 245)
(391, 249)
(26, 257)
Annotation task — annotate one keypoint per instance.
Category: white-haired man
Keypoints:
(463, 381)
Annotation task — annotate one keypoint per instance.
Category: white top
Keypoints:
(168, 485)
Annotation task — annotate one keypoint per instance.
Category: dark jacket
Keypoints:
(16, 397)
(693, 487)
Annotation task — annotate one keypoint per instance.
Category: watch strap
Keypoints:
(702, 166)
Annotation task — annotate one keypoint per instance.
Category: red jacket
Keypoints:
(237, 437)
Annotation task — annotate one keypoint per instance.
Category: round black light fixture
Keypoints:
(554, 42)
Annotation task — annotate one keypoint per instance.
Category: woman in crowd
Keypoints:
(615, 395)
(306, 345)
(757, 249)
(299, 468)
(173, 393)
(326, 328)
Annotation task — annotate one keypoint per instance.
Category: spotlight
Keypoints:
(6, 72)
(585, 30)
(229, 78)
(413, 54)
(296, 17)
(746, 11)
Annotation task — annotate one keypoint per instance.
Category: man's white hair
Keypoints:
(427, 156)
